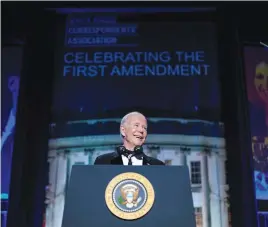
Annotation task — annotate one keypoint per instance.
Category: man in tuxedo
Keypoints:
(133, 129)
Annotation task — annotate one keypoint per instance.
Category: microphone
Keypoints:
(121, 150)
(138, 152)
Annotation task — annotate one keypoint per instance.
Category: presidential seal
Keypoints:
(129, 196)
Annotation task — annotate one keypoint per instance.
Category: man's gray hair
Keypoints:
(124, 119)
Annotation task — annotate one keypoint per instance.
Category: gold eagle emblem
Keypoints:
(130, 193)
(129, 196)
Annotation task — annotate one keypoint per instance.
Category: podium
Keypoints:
(120, 196)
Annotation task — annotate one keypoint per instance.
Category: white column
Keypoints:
(153, 151)
(223, 188)
(57, 179)
(89, 152)
(205, 190)
(214, 182)
(50, 195)
(182, 156)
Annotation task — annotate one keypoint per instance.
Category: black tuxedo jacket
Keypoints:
(115, 159)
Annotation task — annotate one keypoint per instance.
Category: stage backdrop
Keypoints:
(10, 76)
(110, 63)
(256, 71)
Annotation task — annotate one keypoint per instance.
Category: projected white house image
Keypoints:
(203, 154)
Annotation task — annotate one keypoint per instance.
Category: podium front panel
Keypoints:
(85, 204)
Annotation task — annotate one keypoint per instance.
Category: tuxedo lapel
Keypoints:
(116, 160)
(145, 160)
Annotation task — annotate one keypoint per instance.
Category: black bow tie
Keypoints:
(137, 153)
(127, 153)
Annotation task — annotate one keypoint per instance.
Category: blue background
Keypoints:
(77, 98)
(11, 65)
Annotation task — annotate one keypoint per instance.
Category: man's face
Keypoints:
(134, 131)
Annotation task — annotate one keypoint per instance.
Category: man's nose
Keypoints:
(141, 129)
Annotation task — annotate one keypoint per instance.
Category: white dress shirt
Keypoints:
(134, 160)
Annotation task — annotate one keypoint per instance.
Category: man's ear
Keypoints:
(122, 131)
